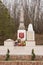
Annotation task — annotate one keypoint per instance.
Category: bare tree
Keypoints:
(31, 13)
(37, 17)
(16, 15)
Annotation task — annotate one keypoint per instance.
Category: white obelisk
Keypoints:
(21, 33)
(30, 36)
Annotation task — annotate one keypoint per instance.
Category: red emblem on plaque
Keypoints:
(21, 35)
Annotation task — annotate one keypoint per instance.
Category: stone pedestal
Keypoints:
(9, 43)
(30, 43)
(21, 34)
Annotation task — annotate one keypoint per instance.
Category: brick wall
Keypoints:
(21, 60)
(21, 63)
(22, 57)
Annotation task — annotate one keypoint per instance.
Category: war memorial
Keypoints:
(21, 49)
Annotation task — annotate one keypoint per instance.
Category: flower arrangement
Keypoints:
(20, 43)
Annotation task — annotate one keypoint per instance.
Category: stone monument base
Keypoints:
(30, 43)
